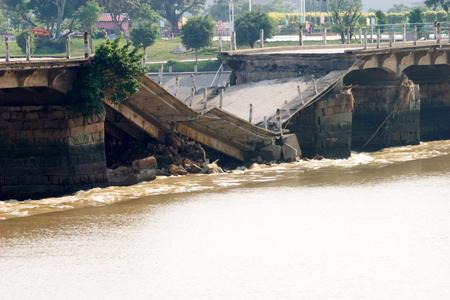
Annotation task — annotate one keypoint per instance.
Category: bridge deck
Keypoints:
(269, 95)
(338, 48)
(20, 63)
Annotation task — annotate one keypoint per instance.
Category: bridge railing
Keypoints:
(70, 47)
(372, 36)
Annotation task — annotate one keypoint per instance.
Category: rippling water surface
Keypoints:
(376, 226)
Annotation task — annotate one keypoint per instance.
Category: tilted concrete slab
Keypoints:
(157, 112)
(185, 83)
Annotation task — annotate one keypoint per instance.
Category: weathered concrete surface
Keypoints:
(202, 80)
(387, 114)
(44, 151)
(267, 96)
(252, 68)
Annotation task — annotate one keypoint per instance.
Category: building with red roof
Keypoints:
(105, 22)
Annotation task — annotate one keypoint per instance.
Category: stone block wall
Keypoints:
(386, 115)
(435, 111)
(325, 128)
(44, 152)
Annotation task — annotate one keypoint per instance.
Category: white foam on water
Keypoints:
(198, 183)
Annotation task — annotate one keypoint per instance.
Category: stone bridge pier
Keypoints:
(325, 127)
(434, 82)
(44, 150)
(386, 111)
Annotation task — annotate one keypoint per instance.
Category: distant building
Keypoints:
(105, 23)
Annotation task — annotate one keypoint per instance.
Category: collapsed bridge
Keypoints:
(46, 150)
(325, 101)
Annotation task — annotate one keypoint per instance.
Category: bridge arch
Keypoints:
(434, 84)
(369, 76)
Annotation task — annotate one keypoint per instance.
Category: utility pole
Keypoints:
(302, 11)
(249, 5)
(231, 15)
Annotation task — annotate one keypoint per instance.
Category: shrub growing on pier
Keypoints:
(111, 75)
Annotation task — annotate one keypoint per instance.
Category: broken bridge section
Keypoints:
(158, 113)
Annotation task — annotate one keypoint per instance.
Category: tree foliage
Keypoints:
(346, 15)
(416, 16)
(111, 75)
(87, 15)
(399, 8)
(173, 10)
(219, 11)
(197, 33)
(248, 28)
(54, 12)
(144, 36)
(18, 9)
(120, 10)
(21, 40)
(381, 17)
(444, 4)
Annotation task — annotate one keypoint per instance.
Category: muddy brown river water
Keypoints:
(376, 226)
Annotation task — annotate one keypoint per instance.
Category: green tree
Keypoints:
(173, 10)
(87, 15)
(416, 16)
(248, 28)
(55, 12)
(219, 11)
(137, 10)
(445, 4)
(399, 8)
(381, 17)
(197, 33)
(277, 6)
(144, 36)
(18, 9)
(346, 14)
